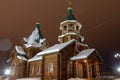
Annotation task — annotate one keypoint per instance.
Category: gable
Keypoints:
(95, 56)
(87, 54)
(83, 54)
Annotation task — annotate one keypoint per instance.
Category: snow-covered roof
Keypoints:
(21, 57)
(69, 21)
(20, 50)
(83, 54)
(56, 47)
(35, 58)
(82, 44)
(35, 39)
(9, 59)
(72, 33)
(25, 39)
(68, 33)
(35, 44)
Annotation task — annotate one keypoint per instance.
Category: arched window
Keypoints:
(77, 28)
(32, 70)
(50, 68)
(38, 69)
(65, 28)
(71, 27)
(80, 70)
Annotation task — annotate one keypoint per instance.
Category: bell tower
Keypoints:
(70, 28)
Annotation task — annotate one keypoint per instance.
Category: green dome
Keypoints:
(70, 16)
(39, 31)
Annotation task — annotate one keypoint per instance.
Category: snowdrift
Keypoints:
(76, 79)
(29, 79)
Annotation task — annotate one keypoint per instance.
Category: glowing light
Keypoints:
(118, 69)
(7, 71)
(117, 55)
(85, 61)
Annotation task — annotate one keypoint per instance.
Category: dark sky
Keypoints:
(100, 20)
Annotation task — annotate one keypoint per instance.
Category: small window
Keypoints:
(32, 70)
(71, 67)
(50, 68)
(71, 27)
(65, 28)
(77, 28)
(38, 70)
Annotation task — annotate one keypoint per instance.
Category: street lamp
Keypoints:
(117, 61)
(117, 55)
(118, 69)
(7, 72)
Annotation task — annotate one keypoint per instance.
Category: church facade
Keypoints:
(29, 47)
(70, 58)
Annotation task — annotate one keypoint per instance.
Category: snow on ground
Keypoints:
(117, 79)
(53, 79)
(40, 79)
(29, 79)
(76, 79)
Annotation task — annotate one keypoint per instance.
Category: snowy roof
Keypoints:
(69, 21)
(69, 33)
(35, 44)
(9, 59)
(25, 39)
(35, 58)
(56, 47)
(35, 39)
(21, 57)
(72, 33)
(82, 44)
(20, 50)
(83, 54)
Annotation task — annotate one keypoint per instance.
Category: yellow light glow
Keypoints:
(85, 61)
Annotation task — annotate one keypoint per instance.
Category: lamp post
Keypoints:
(117, 55)
(117, 60)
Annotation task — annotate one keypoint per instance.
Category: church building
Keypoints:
(70, 58)
(29, 47)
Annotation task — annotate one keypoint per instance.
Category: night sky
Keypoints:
(100, 20)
